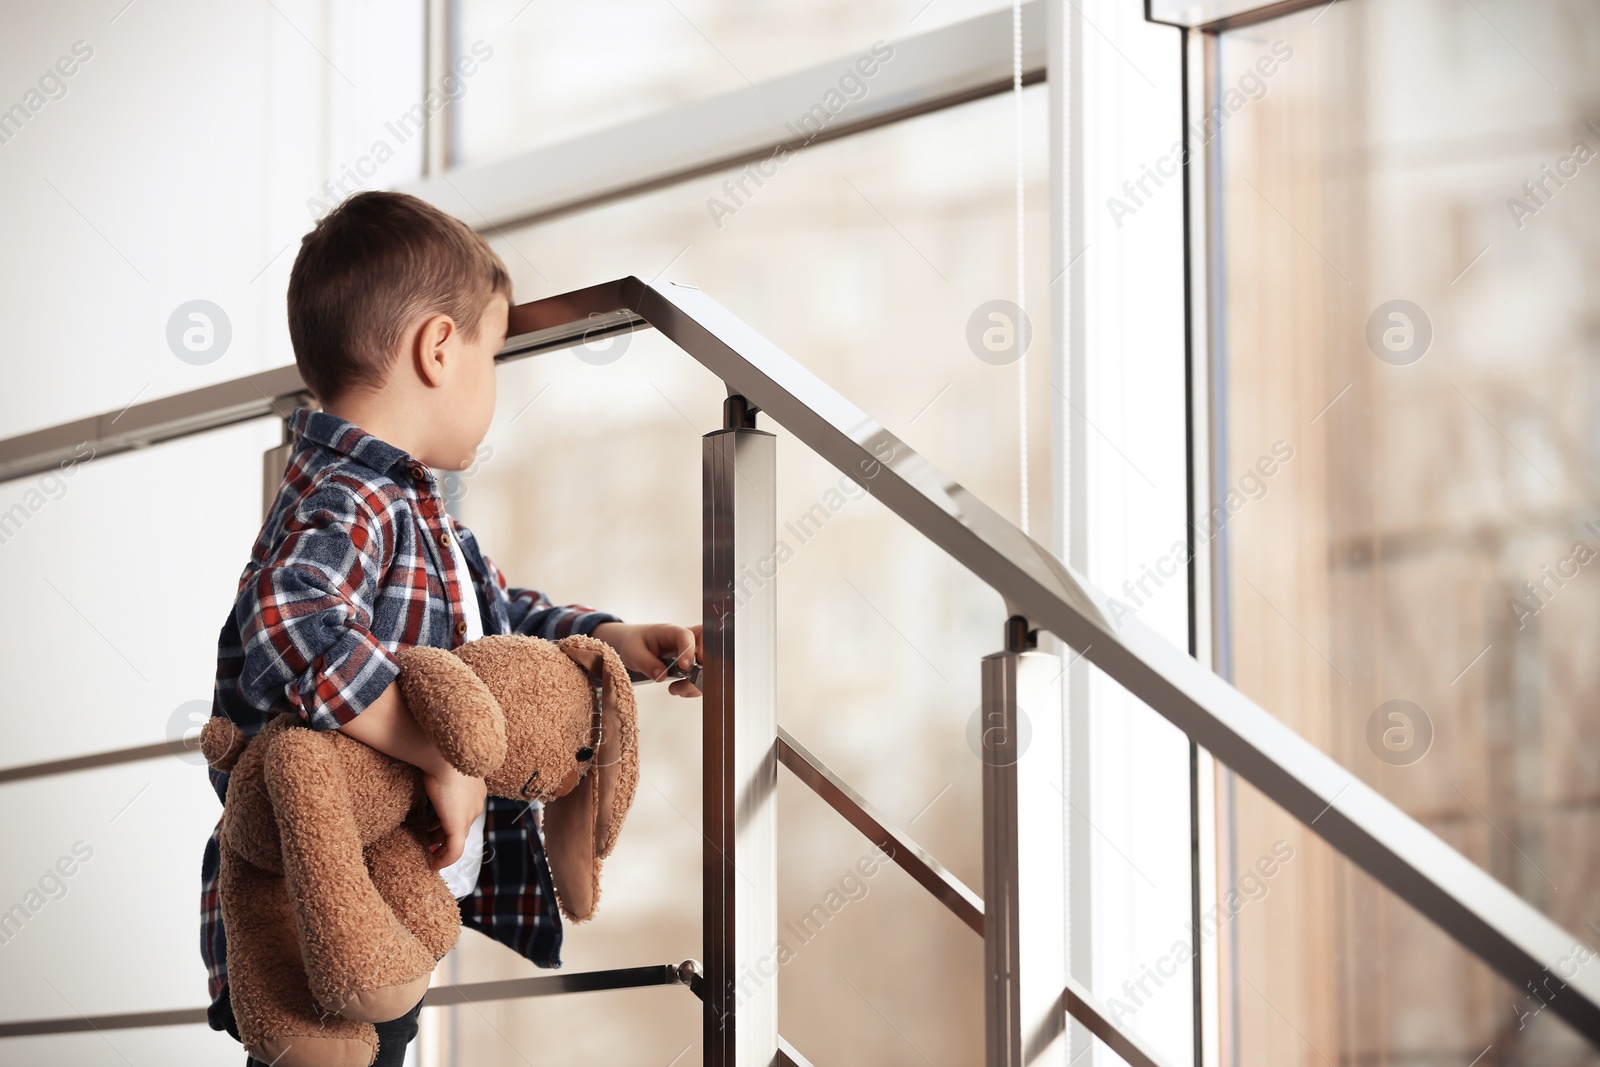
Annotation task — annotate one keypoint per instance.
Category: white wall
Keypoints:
(176, 166)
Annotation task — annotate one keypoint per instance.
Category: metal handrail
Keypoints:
(927, 871)
(788, 1057)
(686, 973)
(443, 995)
(964, 904)
(1484, 916)
(96, 760)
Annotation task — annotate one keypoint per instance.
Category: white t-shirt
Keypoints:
(462, 875)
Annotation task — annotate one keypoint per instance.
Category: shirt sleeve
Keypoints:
(304, 614)
(533, 615)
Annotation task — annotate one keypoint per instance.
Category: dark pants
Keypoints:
(393, 1036)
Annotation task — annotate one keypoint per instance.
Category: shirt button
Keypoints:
(419, 472)
(461, 628)
(444, 539)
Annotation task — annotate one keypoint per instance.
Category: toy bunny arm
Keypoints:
(454, 708)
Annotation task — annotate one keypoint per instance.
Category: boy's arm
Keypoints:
(304, 621)
(304, 614)
(533, 615)
(643, 647)
(650, 647)
(388, 726)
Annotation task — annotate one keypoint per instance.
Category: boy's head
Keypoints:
(395, 306)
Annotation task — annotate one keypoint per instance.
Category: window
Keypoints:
(1409, 243)
(558, 71)
(863, 258)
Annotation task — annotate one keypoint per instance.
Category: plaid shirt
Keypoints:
(352, 565)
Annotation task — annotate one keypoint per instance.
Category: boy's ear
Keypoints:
(428, 349)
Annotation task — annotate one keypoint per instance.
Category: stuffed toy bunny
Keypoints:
(333, 914)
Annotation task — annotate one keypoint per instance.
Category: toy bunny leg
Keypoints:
(360, 960)
(279, 1021)
(400, 868)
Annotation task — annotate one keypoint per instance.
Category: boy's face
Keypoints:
(471, 403)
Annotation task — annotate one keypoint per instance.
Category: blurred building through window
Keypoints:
(559, 71)
(864, 259)
(1411, 251)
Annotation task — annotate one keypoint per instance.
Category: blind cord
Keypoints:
(1021, 330)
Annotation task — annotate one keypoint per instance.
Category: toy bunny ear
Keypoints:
(221, 742)
(454, 708)
(581, 827)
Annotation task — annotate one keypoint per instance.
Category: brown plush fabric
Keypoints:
(581, 827)
(455, 708)
(334, 917)
(221, 742)
(249, 826)
(569, 846)
(423, 905)
(356, 948)
(279, 1020)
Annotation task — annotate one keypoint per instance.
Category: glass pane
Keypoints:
(1200, 12)
(117, 574)
(1407, 476)
(1322, 965)
(864, 259)
(536, 85)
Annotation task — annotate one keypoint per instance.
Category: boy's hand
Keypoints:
(457, 800)
(649, 647)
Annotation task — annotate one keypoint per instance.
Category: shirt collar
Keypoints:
(348, 439)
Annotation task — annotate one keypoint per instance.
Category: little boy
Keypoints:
(396, 311)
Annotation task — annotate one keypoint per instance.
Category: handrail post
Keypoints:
(740, 741)
(276, 458)
(1024, 854)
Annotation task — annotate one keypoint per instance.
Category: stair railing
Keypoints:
(1029, 993)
